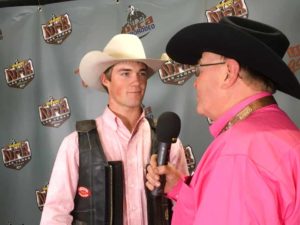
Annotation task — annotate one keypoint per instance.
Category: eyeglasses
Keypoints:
(197, 67)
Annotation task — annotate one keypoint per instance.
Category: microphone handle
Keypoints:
(162, 159)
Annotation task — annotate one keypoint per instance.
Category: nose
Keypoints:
(137, 78)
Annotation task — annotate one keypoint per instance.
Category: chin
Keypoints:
(199, 110)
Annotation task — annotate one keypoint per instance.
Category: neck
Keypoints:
(237, 95)
(129, 116)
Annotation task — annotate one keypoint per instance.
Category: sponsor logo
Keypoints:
(227, 8)
(19, 74)
(294, 55)
(16, 154)
(41, 196)
(54, 112)
(175, 73)
(84, 192)
(57, 29)
(138, 23)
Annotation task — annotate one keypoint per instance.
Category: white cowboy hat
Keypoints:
(122, 47)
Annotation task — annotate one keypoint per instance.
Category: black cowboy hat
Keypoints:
(253, 44)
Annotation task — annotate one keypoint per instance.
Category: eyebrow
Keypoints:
(128, 70)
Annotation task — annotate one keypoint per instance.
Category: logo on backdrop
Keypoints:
(16, 154)
(54, 112)
(227, 8)
(138, 23)
(175, 73)
(41, 196)
(294, 58)
(57, 29)
(19, 74)
(1, 36)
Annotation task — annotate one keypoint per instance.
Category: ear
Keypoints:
(233, 69)
(104, 80)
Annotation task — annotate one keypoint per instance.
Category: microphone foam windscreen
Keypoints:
(168, 127)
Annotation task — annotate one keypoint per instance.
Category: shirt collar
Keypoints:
(220, 123)
(114, 121)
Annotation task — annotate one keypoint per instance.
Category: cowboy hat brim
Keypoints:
(187, 46)
(94, 63)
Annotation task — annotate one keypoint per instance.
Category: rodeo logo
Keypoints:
(138, 23)
(54, 112)
(19, 74)
(227, 8)
(57, 29)
(16, 154)
(41, 197)
(294, 55)
(175, 73)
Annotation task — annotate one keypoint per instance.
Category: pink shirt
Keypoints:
(249, 174)
(118, 144)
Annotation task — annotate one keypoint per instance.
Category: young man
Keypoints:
(250, 173)
(122, 70)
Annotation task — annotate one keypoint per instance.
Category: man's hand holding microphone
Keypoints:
(162, 176)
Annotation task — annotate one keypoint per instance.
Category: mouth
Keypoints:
(135, 92)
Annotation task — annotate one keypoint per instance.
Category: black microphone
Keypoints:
(167, 131)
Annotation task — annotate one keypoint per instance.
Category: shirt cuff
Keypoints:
(173, 193)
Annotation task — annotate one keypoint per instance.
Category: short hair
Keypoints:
(107, 74)
(257, 80)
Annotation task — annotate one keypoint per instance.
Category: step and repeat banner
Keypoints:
(42, 95)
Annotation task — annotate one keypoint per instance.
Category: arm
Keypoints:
(63, 184)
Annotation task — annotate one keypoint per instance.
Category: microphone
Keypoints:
(167, 131)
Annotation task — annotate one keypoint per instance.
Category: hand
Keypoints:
(154, 171)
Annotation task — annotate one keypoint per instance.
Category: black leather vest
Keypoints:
(99, 197)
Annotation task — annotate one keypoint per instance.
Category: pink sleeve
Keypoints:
(63, 184)
(173, 194)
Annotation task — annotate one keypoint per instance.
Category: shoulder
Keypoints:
(69, 143)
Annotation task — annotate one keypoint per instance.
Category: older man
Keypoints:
(250, 173)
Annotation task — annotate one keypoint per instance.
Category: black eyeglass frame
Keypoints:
(197, 67)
